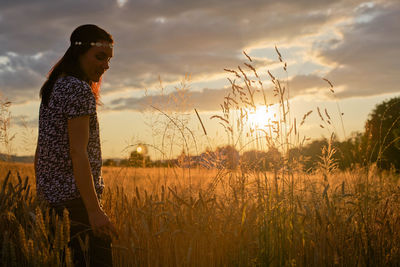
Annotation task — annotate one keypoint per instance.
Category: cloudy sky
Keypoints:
(353, 43)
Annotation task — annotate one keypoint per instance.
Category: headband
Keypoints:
(98, 44)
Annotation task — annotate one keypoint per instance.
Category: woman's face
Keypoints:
(96, 61)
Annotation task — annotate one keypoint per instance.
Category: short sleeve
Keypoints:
(78, 98)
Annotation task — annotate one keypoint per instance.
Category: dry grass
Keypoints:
(163, 220)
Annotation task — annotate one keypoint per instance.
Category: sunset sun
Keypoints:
(261, 116)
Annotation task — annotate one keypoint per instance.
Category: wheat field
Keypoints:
(221, 218)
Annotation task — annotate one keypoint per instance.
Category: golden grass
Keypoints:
(164, 217)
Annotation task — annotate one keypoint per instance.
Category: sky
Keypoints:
(166, 49)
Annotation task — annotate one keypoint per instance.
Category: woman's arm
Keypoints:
(78, 132)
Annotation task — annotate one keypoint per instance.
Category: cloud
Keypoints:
(367, 58)
(205, 100)
(167, 38)
(19, 73)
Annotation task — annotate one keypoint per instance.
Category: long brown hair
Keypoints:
(69, 63)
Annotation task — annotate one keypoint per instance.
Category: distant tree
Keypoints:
(124, 163)
(254, 160)
(382, 130)
(352, 153)
(137, 159)
(308, 155)
(274, 160)
(110, 162)
(261, 160)
(228, 157)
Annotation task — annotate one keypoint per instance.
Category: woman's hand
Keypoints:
(101, 224)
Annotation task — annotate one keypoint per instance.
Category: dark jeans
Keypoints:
(99, 250)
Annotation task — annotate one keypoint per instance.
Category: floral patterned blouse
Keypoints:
(55, 181)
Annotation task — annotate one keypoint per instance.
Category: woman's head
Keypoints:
(87, 59)
(92, 48)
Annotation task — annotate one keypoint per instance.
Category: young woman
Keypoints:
(68, 155)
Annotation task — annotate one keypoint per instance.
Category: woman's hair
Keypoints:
(69, 63)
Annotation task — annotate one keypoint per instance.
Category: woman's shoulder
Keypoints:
(70, 80)
(71, 85)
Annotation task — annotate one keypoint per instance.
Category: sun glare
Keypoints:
(141, 149)
(261, 116)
